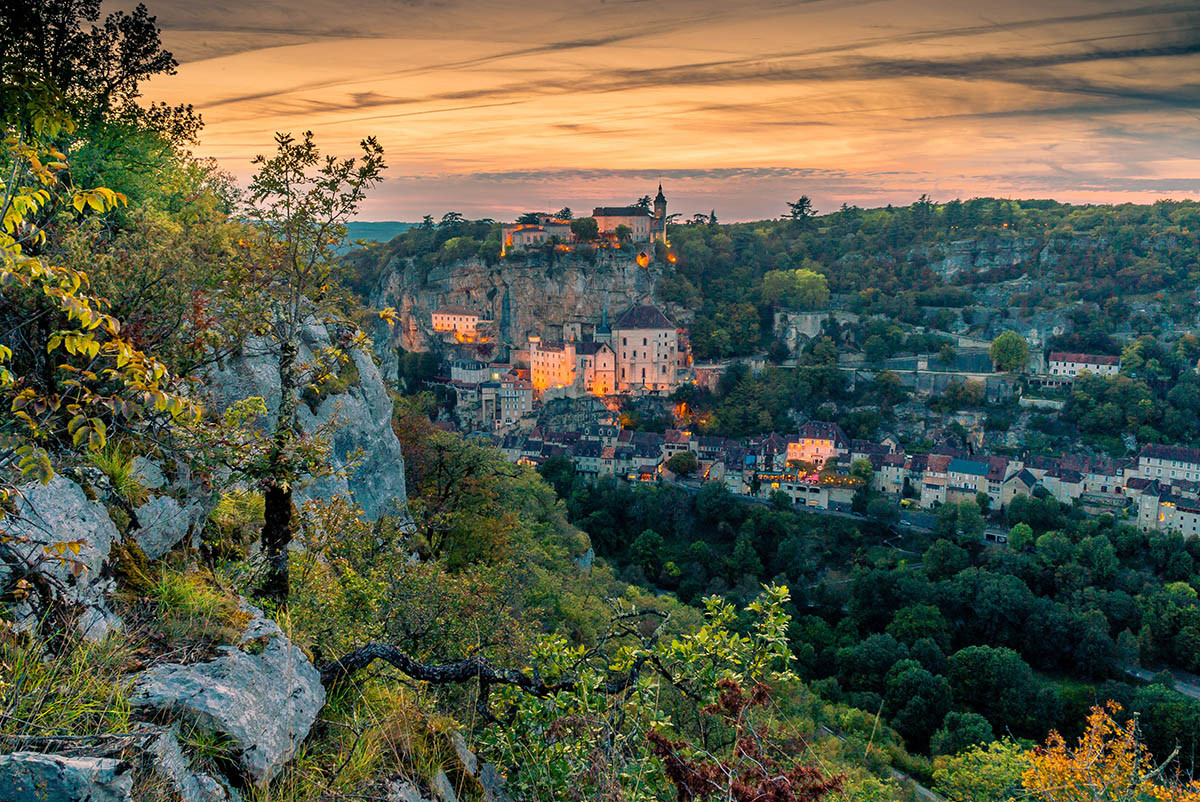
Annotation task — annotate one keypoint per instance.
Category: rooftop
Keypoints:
(455, 310)
(1176, 453)
(643, 317)
(620, 211)
(1089, 359)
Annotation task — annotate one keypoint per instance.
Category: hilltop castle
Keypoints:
(644, 224)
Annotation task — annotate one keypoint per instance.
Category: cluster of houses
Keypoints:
(1159, 488)
(642, 352)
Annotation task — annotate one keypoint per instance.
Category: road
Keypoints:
(923, 793)
(1186, 684)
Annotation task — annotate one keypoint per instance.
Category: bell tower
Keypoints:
(660, 215)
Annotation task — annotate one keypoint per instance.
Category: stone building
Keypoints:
(645, 225)
(457, 319)
(646, 344)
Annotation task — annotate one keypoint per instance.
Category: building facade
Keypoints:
(817, 442)
(596, 366)
(1169, 462)
(551, 364)
(1069, 365)
(457, 319)
(646, 346)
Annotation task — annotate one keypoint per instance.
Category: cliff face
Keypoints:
(366, 455)
(523, 298)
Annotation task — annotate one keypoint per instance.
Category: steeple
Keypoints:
(603, 333)
(659, 226)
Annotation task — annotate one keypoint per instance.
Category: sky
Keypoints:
(493, 108)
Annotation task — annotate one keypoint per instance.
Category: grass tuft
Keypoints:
(192, 610)
(116, 461)
(77, 690)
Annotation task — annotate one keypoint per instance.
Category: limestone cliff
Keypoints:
(366, 458)
(522, 297)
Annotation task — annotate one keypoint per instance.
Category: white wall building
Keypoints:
(646, 344)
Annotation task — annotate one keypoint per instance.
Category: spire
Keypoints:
(660, 197)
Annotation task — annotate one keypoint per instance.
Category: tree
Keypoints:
(917, 621)
(802, 209)
(1109, 763)
(299, 203)
(962, 523)
(916, 701)
(983, 773)
(801, 289)
(883, 510)
(624, 234)
(1010, 352)
(996, 682)
(68, 373)
(564, 213)
(944, 559)
(530, 219)
(684, 463)
(585, 229)
(644, 203)
(647, 552)
(559, 471)
(960, 731)
(1020, 537)
(52, 50)
(861, 469)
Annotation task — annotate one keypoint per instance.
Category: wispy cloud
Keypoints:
(514, 103)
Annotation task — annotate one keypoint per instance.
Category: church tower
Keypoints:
(660, 216)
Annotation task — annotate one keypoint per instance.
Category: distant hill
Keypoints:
(375, 232)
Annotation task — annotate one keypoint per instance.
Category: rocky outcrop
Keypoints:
(522, 298)
(35, 777)
(977, 255)
(170, 766)
(57, 531)
(263, 696)
(366, 460)
(163, 523)
(442, 788)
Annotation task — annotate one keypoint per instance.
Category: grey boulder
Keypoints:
(163, 524)
(37, 777)
(169, 763)
(263, 696)
(59, 512)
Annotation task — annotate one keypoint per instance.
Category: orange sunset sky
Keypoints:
(494, 108)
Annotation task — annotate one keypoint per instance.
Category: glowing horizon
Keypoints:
(497, 108)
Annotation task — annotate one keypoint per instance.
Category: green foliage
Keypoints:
(684, 463)
(1009, 352)
(799, 289)
(80, 690)
(193, 612)
(959, 732)
(990, 773)
(585, 229)
(627, 719)
(117, 464)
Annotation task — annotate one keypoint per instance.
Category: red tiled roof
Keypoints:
(1084, 359)
(1176, 453)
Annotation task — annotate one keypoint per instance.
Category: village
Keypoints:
(590, 368)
